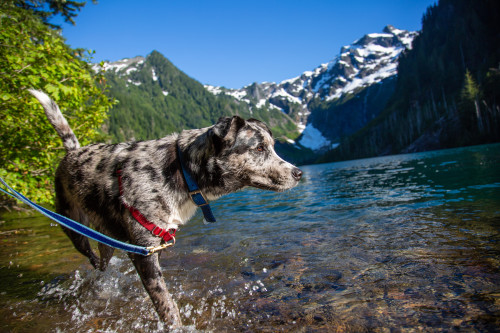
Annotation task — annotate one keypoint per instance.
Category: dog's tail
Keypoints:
(57, 120)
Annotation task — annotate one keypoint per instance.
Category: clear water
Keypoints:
(401, 243)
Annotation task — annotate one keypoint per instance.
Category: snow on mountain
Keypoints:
(313, 139)
(365, 62)
(123, 67)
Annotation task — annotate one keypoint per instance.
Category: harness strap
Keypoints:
(195, 192)
(165, 234)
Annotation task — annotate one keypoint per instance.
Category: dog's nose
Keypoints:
(297, 173)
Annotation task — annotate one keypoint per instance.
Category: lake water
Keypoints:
(400, 243)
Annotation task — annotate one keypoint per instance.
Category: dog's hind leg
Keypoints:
(152, 279)
(82, 244)
(73, 211)
(105, 252)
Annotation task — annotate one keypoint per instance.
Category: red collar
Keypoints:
(165, 234)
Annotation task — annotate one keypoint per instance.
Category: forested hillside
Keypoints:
(448, 88)
(155, 98)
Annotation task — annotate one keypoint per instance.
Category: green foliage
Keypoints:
(470, 91)
(34, 56)
(469, 101)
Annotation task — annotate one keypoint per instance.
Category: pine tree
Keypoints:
(47, 9)
(469, 111)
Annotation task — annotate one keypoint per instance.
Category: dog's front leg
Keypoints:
(152, 279)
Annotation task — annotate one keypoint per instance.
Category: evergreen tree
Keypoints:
(46, 9)
(469, 108)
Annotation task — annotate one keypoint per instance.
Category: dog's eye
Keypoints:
(260, 148)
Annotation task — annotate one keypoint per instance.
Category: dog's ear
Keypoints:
(226, 128)
(225, 131)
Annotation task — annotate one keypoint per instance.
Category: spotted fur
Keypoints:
(222, 158)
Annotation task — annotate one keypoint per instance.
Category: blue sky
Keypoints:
(234, 43)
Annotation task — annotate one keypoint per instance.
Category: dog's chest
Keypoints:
(182, 214)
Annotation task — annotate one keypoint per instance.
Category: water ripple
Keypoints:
(397, 243)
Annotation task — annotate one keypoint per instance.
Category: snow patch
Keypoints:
(130, 70)
(313, 139)
(261, 103)
(379, 35)
(274, 107)
(407, 41)
(355, 83)
(213, 90)
(238, 94)
(119, 65)
(134, 82)
(282, 93)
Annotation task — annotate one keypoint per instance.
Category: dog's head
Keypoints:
(244, 149)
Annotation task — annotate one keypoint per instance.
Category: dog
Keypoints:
(232, 154)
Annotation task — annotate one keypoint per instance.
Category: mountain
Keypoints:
(447, 92)
(155, 98)
(337, 98)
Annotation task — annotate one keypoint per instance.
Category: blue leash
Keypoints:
(80, 228)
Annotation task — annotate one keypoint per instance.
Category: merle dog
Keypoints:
(222, 158)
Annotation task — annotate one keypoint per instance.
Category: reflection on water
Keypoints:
(404, 243)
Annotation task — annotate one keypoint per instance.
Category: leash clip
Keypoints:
(154, 249)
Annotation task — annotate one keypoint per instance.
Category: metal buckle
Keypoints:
(192, 193)
(153, 249)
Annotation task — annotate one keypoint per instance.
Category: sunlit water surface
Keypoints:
(399, 243)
